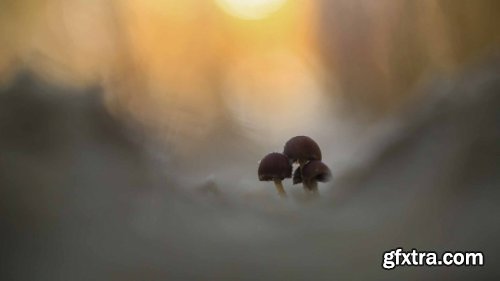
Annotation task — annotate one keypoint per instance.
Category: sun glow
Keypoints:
(250, 9)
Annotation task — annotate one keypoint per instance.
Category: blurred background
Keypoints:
(130, 135)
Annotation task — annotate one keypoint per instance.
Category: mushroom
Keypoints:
(275, 167)
(301, 149)
(313, 172)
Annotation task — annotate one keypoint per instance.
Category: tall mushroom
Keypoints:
(275, 167)
(313, 172)
(301, 149)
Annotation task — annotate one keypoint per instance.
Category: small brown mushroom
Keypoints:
(313, 172)
(275, 167)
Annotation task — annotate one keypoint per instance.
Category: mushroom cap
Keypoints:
(316, 171)
(302, 148)
(274, 166)
(297, 176)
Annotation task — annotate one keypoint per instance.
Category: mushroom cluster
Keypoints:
(301, 150)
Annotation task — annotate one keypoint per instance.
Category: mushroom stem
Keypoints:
(280, 188)
(311, 187)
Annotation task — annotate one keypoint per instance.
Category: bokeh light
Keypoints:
(273, 95)
(250, 9)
